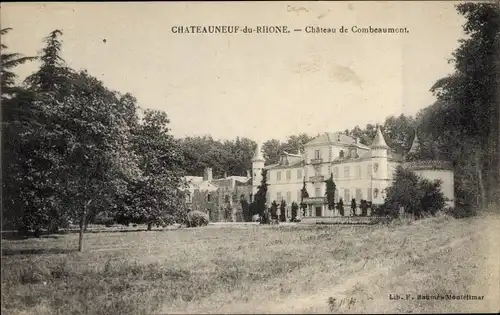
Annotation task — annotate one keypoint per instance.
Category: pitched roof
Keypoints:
(335, 138)
(258, 153)
(379, 141)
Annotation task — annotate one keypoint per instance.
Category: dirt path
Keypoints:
(485, 259)
(464, 260)
(316, 302)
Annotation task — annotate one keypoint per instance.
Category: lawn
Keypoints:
(254, 269)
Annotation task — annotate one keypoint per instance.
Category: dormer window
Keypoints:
(353, 152)
(341, 154)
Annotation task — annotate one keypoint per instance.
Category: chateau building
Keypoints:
(359, 171)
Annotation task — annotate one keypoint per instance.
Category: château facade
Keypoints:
(359, 171)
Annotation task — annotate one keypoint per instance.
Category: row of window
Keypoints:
(358, 174)
(346, 195)
(347, 174)
(317, 153)
(288, 174)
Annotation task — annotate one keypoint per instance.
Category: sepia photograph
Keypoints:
(250, 157)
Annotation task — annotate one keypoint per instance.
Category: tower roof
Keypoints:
(415, 145)
(379, 141)
(258, 153)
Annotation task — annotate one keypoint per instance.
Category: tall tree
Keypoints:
(157, 191)
(467, 103)
(261, 194)
(52, 76)
(295, 209)
(303, 194)
(330, 192)
(26, 146)
(93, 159)
(8, 62)
(283, 211)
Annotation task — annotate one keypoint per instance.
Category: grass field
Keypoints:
(258, 269)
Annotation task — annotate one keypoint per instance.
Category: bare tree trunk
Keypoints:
(480, 181)
(82, 228)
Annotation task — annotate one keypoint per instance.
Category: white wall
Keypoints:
(447, 178)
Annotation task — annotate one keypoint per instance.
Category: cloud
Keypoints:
(345, 75)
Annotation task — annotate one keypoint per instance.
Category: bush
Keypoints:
(104, 218)
(169, 219)
(197, 218)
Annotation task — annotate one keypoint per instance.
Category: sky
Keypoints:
(260, 86)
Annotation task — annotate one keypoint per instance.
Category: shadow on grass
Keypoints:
(37, 251)
(14, 235)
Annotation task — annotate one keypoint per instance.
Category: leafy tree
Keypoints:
(95, 157)
(271, 150)
(157, 191)
(261, 195)
(340, 206)
(330, 192)
(28, 143)
(364, 207)
(416, 195)
(274, 210)
(295, 209)
(353, 207)
(224, 157)
(9, 61)
(283, 211)
(303, 194)
(466, 111)
(245, 208)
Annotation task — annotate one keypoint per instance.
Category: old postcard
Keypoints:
(250, 157)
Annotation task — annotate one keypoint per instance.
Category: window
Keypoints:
(299, 174)
(317, 191)
(358, 172)
(369, 170)
(208, 197)
(278, 196)
(288, 174)
(317, 154)
(359, 195)
(335, 172)
(278, 175)
(288, 197)
(341, 154)
(250, 196)
(189, 198)
(347, 196)
(226, 198)
(346, 171)
(317, 171)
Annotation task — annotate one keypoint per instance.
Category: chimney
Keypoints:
(207, 175)
(225, 174)
(248, 174)
(356, 139)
